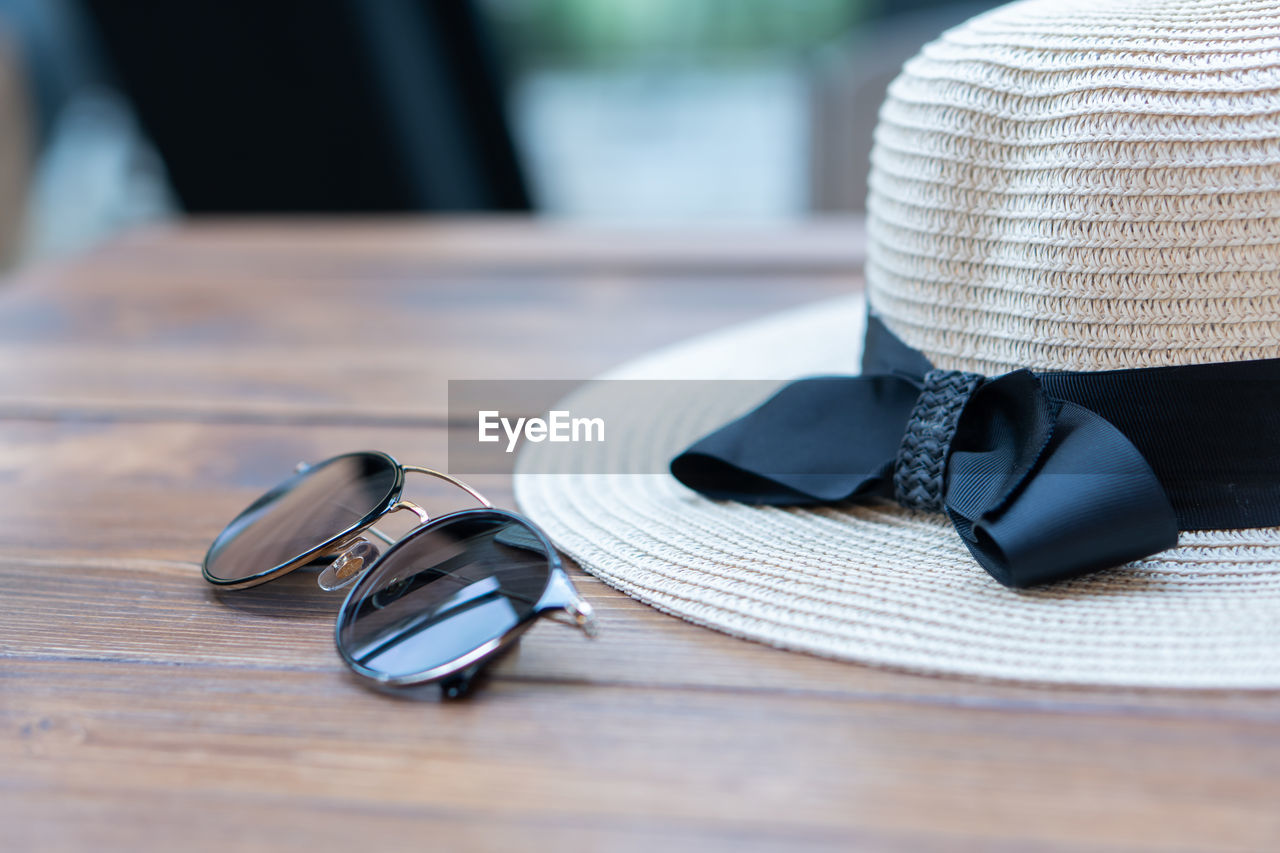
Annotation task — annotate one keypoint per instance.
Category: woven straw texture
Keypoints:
(1056, 185)
(1083, 185)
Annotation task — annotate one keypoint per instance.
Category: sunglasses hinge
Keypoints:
(560, 601)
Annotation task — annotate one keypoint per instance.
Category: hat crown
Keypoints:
(1083, 186)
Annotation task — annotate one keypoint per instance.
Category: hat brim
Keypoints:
(878, 584)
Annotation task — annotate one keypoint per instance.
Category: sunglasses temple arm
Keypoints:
(561, 602)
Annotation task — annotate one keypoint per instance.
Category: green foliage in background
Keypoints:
(627, 32)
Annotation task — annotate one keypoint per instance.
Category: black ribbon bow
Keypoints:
(1044, 476)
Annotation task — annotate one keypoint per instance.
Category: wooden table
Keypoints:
(153, 387)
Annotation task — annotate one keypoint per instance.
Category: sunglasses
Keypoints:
(437, 606)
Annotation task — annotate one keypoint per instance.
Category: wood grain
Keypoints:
(696, 766)
(187, 329)
(144, 710)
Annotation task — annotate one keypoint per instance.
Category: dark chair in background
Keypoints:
(324, 106)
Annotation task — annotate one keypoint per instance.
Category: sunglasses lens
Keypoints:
(443, 593)
(306, 511)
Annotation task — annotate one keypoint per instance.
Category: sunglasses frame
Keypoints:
(559, 600)
(454, 677)
(335, 545)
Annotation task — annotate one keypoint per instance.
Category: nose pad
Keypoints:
(348, 566)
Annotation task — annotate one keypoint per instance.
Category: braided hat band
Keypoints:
(920, 466)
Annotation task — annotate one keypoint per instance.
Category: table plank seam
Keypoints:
(1055, 706)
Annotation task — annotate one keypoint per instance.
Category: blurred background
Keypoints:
(634, 112)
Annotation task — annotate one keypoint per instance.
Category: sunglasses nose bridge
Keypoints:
(357, 557)
(422, 514)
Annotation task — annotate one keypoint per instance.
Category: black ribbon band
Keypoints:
(1044, 475)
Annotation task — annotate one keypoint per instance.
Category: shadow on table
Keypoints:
(297, 596)
(292, 596)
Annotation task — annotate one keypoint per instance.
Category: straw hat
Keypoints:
(1080, 185)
